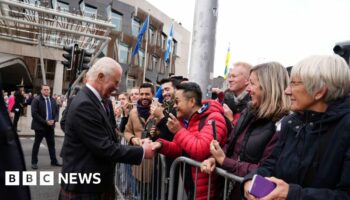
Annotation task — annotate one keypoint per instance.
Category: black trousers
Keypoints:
(49, 135)
(16, 119)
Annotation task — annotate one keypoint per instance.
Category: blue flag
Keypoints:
(168, 47)
(140, 35)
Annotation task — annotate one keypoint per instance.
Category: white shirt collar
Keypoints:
(94, 91)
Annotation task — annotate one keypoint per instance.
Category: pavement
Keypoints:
(25, 122)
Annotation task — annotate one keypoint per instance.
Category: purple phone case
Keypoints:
(261, 186)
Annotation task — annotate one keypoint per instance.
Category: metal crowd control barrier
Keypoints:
(185, 160)
(144, 182)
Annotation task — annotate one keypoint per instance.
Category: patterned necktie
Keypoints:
(105, 105)
(48, 108)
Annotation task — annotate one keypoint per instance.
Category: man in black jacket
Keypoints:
(18, 106)
(89, 145)
(45, 114)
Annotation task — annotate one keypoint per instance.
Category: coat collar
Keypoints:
(100, 109)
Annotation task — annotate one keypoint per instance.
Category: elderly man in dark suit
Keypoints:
(90, 144)
(45, 114)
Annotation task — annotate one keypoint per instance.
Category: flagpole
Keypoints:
(171, 57)
(145, 63)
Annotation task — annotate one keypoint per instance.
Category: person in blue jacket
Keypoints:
(312, 157)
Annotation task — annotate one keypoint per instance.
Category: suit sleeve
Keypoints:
(35, 112)
(197, 143)
(93, 134)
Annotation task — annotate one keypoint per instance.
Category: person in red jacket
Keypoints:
(190, 138)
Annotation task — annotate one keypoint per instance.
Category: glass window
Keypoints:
(90, 11)
(141, 57)
(123, 53)
(174, 47)
(163, 41)
(62, 6)
(131, 82)
(49, 67)
(135, 27)
(33, 2)
(152, 35)
(161, 68)
(155, 62)
(117, 21)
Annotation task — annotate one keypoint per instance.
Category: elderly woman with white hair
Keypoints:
(312, 157)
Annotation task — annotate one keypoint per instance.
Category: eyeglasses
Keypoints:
(295, 83)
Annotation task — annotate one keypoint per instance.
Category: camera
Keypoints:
(147, 132)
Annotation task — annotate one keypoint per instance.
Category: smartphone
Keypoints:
(261, 187)
(213, 124)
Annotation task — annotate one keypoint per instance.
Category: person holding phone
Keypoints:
(191, 139)
(254, 135)
(122, 109)
(312, 157)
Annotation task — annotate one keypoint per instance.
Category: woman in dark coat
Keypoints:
(254, 135)
(312, 157)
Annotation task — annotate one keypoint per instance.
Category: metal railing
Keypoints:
(162, 186)
(196, 164)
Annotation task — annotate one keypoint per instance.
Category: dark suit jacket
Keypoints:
(89, 146)
(39, 121)
(11, 156)
(19, 101)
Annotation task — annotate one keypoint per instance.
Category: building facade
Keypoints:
(34, 33)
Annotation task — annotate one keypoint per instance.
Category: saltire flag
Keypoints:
(140, 35)
(170, 38)
(227, 63)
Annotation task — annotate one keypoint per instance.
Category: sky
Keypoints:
(260, 31)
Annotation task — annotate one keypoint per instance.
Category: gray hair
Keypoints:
(330, 71)
(105, 65)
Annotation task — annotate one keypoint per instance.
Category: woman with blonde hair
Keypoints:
(254, 135)
(312, 157)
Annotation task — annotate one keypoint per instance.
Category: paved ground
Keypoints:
(25, 122)
(42, 192)
(27, 139)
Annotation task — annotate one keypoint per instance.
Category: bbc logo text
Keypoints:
(14, 178)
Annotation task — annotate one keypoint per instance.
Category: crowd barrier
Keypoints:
(154, 182)
(187, 161)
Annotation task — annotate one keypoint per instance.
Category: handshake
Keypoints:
(149, 147)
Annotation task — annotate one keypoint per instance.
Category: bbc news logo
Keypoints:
(13, 178)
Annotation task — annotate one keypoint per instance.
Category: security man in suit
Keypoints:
(45, 114)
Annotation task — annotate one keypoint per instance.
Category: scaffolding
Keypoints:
(36, 23)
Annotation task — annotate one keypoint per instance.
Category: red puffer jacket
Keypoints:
(195, 142)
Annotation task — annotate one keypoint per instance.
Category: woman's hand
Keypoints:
(228, 112)
(280, 192)
(208, 165)
(217, 152)
(247, 195)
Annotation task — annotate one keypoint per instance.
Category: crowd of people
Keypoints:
(289, 128)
